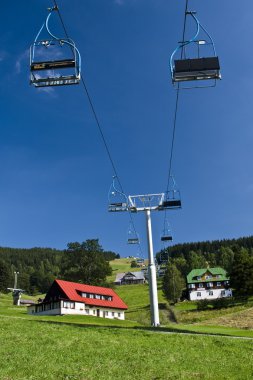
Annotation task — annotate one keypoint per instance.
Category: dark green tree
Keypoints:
(6, 280)
(241, 275)
(173, 283)
(86, 263)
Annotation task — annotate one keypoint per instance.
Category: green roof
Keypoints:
(192, 276)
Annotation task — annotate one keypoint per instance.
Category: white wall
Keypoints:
(205, 294)
(80, 309)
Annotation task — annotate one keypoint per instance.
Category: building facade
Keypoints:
(130, 278)
(66, 297)
(208, 283)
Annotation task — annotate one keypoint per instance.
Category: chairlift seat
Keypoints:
(171, 203)
(54, 81)
(51, 65)
(133, 241)
(119, 206)
(166, 238)
(196, 69)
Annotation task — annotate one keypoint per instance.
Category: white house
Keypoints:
(66, 297)
(208, 283)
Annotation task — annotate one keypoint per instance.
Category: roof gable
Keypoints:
(218, 271)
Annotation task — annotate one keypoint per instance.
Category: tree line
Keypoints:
(84, 262)
(235, 256)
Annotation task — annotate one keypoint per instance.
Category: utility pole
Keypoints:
(118, 201)
(152, 275)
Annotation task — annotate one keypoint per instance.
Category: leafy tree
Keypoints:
(173, 283)
(86, 263)
(134, 264)
(196, 261)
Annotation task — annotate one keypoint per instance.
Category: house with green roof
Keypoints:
(208, 283)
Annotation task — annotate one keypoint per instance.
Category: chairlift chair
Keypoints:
(172, 200)
(117, 201)
(132, 236)
(166, 234)
(172, 197)
(203, 66)
(46, 68)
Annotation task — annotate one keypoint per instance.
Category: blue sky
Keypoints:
(55, 174)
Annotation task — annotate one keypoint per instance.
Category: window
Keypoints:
(87, 311)
(84, 295)
(191, 286)
(223, 293)
(91, 295)
(198, 278)
(97, 296)
(119, 315)
(201, 285)
(68, 305)
(198, 294)
(210, 293)
(94, 312)
(106, 313)
(208, 277)
(113, 313)
(209, 284)
(218, 283)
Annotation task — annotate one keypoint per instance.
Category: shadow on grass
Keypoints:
(140, 328)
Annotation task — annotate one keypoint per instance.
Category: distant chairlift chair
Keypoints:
(117, 200)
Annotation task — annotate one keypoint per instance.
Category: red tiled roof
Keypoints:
(71, 290)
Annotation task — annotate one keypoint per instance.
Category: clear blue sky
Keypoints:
(55, 174)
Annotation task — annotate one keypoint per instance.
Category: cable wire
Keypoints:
(175, 112)
(97, 122)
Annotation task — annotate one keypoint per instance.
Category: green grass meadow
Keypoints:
(87, 348)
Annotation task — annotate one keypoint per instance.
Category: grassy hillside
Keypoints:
(120, 266)
(185, 313)
(87, 348)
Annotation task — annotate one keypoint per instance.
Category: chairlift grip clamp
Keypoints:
(55, 8)
(190, 12)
